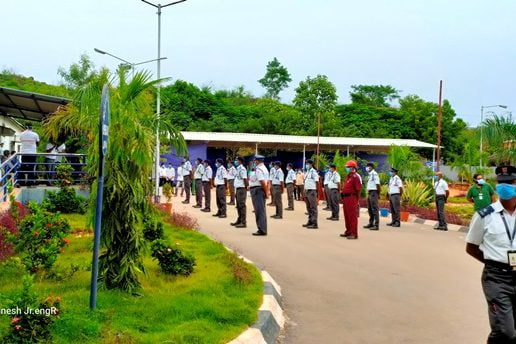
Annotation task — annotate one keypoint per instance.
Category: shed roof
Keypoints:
(28, 105)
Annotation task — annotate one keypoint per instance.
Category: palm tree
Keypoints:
(408, 163)
(466, 164)
(500, 136)
(128, 166)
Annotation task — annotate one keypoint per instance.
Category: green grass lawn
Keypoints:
(209, 306)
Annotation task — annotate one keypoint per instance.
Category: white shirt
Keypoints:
(29, 142)
(180, 174)
(440, 187)
(162, 172)
(51, 148)
(327, 177)
(187, 168)
(199, 171)
(489, 233)
(259, 174)
(334, 180)
(232, 173)
(311, 177)
(395, 184)
(241, 175)
(171, 173)
(60, 149)
(291, 177)
(278, 177)
(221, 175)
(271, 173)
(373, 180)
(208, 174)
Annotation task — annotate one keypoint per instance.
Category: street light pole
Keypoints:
(482, 127)
(125, 62)
(158, 97)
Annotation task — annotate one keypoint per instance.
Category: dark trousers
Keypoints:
(231, 184)
(327, 195)
(300, 192)
(28, 165)
(198, 192)
(50, 165)
(207, 195)
(188, 187)
(395, 203)
(334, 199)
(162, 181)
(439, 206)
(311, 206)
(272, 194)
(258, 198)
(278, 201)
(499, 287)
(350, 215)
(221, 199)
(290, 195)
(241, 195)
(372, 208)
(179, 185)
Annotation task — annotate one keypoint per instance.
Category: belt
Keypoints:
(254, 187)
(242, 188)
(440, 196)
(503, 266)
(372, 190)
(205, 181)
(396, 194)
(348, 194)
(290, 183)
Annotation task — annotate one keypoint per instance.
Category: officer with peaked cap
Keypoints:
(311, 180)
(258, 180)
(491, 240)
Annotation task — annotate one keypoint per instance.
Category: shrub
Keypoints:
(168, 191)
(416, 193)
(33, 327)
(152, 229)
(171, 259)
(239, 268)
(40, 239)
(65, 201)
(9, 221)
(183, 220)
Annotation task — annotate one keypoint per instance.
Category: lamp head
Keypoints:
(100, 51)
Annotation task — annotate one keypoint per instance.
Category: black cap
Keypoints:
(199, 160)
(219, 160)
(207, 161)
(394, 170)
(277, 163)
(310, 161)
(290, 165)
(505, 173)
(259, 157)
(333, 166)
(239, 158)
(370, 164)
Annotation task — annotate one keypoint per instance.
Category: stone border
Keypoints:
(270, 314)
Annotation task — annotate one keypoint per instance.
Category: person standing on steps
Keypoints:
(290, 182)
(187, 179)
(277, 189)
(350, 197)
(231, 182)
(311, 180)
(199, 172)
(241, 187)
(207, 182)
(258, 180)
(395, 193)
(334, 194)
(441, 198)
(492, 241)
(327, 176)
(220, 188)
(373, 195)
(272, 170)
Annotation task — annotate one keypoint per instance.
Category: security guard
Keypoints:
(395, 193)
(231, 182)
(373, 194)
(290, 182)
(272, 171)
(220, 191)
(199, 172)
(207, 180)
(491, 240)
(311, 180)
(326, 181)
(350, 197)
(241, 186)
(441, 197)
(278, 187)
(334, 195)
(187, 179)
(259, 192)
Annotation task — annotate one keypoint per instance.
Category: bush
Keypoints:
(183, 220)
(65, 201)
(40, 239)
(152, 229)
(9, 221)
(172, 260)
(416, 193)
(33, 327)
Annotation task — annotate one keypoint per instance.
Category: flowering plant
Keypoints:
(171, 259)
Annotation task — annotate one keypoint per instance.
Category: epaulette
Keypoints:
(486, 211)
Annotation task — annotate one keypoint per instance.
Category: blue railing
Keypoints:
(23, 169)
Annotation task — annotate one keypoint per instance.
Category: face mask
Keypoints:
(217, 164)
(235, 162)
(436, 178)
(348, 169)
(390, 173)
(270, 166)
(288, 168)
(308, 167)
(481, 182)
(506, 191)
(369, 169)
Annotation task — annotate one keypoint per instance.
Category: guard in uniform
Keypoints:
(199, 172)
(241, 186)
(334, 194)
(441, 197)
(395, 193)
(220, 191)
(350, 196)
(231, 183)
(187, 179)
(277, 189)
(180, 179)
(491, 240)
(258, 180)
(311, 180)
(373, 194)
(207, 180)
(327, 175)
(272, 171)
(290, 182)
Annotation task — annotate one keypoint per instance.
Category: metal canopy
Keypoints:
(28, 105)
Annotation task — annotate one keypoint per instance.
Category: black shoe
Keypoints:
(307, 224)
(186, 202)
(390, 224)
(259, 233)
(351, 237)
(241, 225)
(197, 206)
(216, 215)
(397, 224)
(306, 213)
(277, 217)
(345, 235)
(234, 223)
(289, 209)
(222, 216)
(270, 205)
(368, 226)
(206, 210)
(312, 227)
(231, 203)
(374, 228)
(332, 218)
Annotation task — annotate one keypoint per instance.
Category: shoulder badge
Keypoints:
(486, 211)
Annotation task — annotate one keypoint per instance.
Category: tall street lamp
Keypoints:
(482, 126)
(125, 62)
(158, 95)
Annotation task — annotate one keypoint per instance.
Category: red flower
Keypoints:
(36, 233)
(15, 320)
(58, 299)
(66, 241)
(48, 225)
(17, 327)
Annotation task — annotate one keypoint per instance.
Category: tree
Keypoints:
(276, 79)
(129, 164)
(407, 162)
(78, 74)
(314, 97)
(500, 137)
(467, 163)
(374, 95)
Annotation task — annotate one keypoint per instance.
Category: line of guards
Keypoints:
(262, 182)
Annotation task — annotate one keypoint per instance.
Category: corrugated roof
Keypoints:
(28, 105)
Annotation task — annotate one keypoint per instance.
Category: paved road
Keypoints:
(408, 285)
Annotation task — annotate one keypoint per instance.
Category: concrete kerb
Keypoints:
(271, 319)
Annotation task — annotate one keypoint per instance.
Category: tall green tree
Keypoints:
(78, 74)
(276, 79)
(500, 138)
(129, 164)
(314, 97)
(374, 95)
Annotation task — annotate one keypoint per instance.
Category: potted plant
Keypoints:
(168, 192)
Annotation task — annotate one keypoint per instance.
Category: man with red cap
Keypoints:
(350, 195)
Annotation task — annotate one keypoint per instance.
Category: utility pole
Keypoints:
(318, 138)
(439, 123)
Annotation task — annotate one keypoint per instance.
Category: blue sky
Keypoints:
(410, 44)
